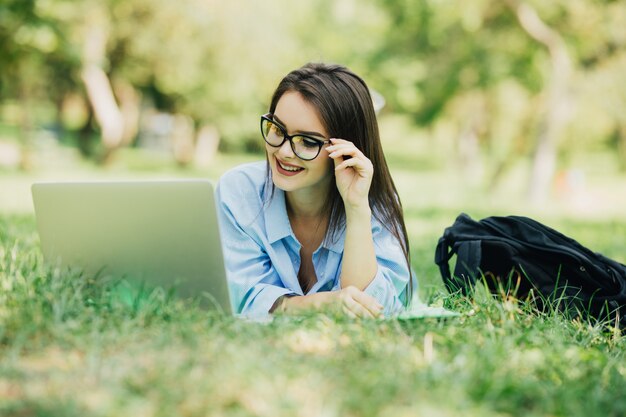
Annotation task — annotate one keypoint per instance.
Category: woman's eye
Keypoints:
(310, 143)
(277, 131)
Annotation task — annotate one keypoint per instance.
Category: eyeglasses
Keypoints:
(303, 146)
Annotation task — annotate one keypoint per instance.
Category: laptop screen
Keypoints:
(161, 233)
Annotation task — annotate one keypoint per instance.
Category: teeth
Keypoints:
(292, 169)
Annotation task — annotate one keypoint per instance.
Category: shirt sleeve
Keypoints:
(253, 282)
(390, 285)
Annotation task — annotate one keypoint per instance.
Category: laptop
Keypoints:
(158, 233)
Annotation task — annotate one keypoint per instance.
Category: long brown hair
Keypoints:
(346, 110)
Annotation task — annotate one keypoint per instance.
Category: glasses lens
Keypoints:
(305, 147)
(272, 133)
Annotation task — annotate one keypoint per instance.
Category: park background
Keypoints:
(488, 107)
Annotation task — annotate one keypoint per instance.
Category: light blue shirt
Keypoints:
(262, 254)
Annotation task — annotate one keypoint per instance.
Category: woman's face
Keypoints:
(290, 173)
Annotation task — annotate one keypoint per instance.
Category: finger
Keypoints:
(357, 308)
(345, 144)
(357, 164)
(349, 313)
(345, 150)
(336, 141)
(368, 302)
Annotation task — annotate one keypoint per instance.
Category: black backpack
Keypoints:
(517, 254)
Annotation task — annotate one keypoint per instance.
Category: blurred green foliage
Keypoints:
(454, 68)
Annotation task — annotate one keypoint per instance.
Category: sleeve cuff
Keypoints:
(384, 292)
(261, 304)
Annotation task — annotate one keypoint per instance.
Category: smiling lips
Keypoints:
(287, 169)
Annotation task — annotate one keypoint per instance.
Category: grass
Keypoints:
(73, 346)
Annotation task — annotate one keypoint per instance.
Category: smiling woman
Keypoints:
(320, 224)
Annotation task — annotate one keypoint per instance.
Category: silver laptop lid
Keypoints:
(163, 233)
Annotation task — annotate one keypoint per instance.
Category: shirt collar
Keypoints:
(276, 219)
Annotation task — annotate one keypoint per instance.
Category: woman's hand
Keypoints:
(353, 175)
(350, 300)
(356, 303)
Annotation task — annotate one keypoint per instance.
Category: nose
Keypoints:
(285, 150)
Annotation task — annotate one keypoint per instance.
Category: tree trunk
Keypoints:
(99, 89)
(183, 145)
(472, 115)
(26, 126)
(207, 143)
(556, 97)
(104, 106)
(85, 134)
(470, 161)
(621, 146)
(130, 101)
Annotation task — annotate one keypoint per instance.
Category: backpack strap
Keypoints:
(442, 256)
(468, 257)
(467, 265)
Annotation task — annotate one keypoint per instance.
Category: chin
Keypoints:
(285, 184)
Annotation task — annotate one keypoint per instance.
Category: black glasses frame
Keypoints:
(268, 117)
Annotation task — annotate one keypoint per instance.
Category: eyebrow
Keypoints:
(303, 132)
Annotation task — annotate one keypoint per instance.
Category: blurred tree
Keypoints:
(96, 31)
(481, 66)
(455, 63)
(600, 36)
(438, 52)
(31, 55)
(218, 61)
(557, 91)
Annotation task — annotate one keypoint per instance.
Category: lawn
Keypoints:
(73, 346)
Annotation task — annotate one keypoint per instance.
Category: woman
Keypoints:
(319, 224)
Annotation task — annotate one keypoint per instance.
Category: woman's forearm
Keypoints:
(349, 300)
(303, 302)
(359, 265)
